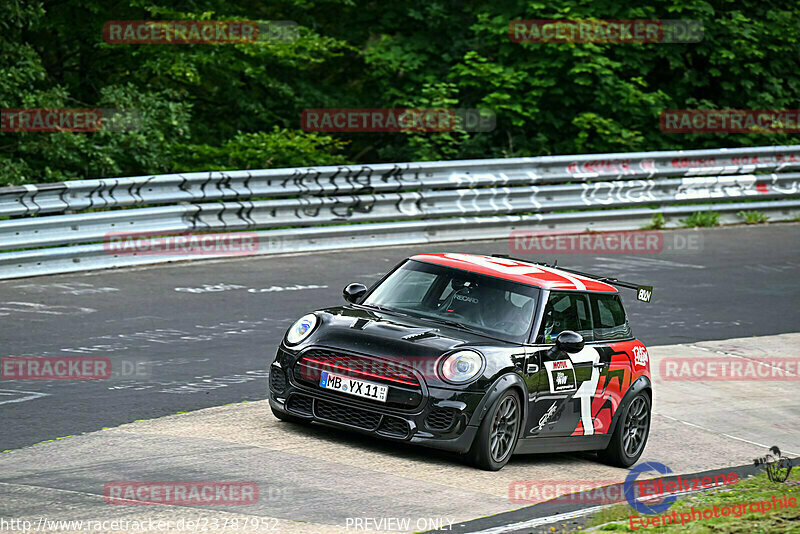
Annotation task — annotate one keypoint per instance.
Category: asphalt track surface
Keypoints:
(207, 345)
(314, 479)
(209, 329)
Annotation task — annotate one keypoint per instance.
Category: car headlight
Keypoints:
(462, 366)
(301, 329)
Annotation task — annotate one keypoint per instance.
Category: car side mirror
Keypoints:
(353, 292)
(569, 342)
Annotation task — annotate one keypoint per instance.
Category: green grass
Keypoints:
(657, 222)
(701, 219)
(753, 217)
(758, 488)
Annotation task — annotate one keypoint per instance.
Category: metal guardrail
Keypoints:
(61, 227)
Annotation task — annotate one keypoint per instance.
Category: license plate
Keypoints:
(352, 386)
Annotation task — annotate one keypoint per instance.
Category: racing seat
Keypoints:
(466, 302)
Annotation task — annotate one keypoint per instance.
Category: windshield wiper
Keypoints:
(450, 322)
(386, 309)
(440, 320)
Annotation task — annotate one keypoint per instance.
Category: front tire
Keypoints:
(497, 435)
(630, 436)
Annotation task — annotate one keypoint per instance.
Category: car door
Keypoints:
(614, 342)
(566, 384)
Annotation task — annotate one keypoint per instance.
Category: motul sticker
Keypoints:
(561, 375)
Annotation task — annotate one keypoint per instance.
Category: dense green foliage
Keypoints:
(207, 107)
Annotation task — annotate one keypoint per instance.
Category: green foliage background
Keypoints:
(215, 107)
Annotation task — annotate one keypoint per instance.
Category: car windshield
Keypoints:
(490, 306)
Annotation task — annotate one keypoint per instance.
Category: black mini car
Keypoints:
(480, 355)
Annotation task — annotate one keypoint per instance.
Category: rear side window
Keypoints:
(609, 317)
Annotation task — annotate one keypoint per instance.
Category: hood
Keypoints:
(390, 336)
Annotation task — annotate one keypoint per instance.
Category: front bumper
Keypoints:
(441, 420)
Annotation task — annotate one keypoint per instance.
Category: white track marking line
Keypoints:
(31, 395)
(748, 358)
(720, 433)
(541, 521)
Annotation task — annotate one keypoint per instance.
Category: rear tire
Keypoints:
(630, 435)
(497, 436)
(289, 418)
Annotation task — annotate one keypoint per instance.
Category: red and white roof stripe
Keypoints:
(534, 275)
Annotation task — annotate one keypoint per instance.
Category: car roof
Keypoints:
(517, 271)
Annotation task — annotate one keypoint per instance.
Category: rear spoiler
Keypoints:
(643, 293)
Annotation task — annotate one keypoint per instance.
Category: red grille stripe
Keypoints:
(307, 359)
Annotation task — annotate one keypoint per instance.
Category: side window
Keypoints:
(565, 311)
(609, 318)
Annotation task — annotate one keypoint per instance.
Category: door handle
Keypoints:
(600, 365)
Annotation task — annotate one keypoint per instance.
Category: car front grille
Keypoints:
(440, 419)
(344, 414)
(394, 427)
(324, 410)
(363, 367)
(405, 390)
(277, 379)
(300, 404)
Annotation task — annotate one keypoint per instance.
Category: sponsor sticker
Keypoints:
(640, 356)
(644, 293)
(545, 418)
(561, 375)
